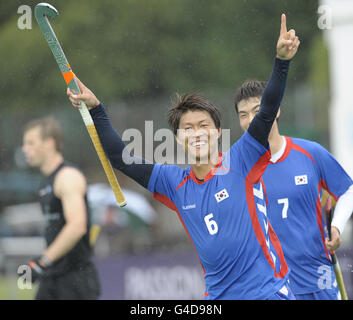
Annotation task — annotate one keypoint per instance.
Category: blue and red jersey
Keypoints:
(225, 216)
(294, 187)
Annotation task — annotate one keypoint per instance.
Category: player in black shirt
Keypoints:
(65, 269)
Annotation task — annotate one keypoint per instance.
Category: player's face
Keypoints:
(247, 110)
(34, 147)
(198, 134)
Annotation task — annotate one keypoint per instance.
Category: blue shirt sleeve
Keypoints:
(249, 157)
(164, 181)
(335, 179)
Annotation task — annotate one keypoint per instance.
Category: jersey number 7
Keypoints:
(285, 203)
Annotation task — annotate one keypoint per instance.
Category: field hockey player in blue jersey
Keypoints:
(219, 198)
(298, 172)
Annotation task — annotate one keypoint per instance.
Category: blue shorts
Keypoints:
(326, 294)
(285, 293)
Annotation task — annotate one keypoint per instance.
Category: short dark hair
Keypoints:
(249, 89)
(49, 128)
(191, 102)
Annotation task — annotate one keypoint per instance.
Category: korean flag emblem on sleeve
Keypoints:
(220, 196)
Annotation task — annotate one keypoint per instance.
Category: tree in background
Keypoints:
(138, 53)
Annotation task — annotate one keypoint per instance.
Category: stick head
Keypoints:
(45, 9)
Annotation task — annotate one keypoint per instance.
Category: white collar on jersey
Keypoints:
(276, 156)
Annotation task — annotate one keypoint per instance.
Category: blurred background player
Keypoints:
(65, 269)
(217, 198)
(298, 172)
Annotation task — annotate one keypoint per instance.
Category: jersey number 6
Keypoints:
(211, 224)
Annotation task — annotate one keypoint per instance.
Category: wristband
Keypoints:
(47, 262)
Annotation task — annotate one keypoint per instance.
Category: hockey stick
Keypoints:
(42, 11)
(336, 265)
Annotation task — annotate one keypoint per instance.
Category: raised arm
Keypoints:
(136, 168)
(287, 47)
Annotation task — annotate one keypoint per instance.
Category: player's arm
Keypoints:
(343, 211)
(339, 185)
(70, 187)
(120, 158)
(287, 47)
(161, 180)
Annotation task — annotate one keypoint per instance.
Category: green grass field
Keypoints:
(10, 291)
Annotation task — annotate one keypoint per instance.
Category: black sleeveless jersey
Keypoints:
(54, 217)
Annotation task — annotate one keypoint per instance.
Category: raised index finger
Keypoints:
(283, 24)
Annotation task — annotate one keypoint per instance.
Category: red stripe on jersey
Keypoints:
(171, 205)
(302, 150)
(264, 188)
(165, 200)
(182, 222)
(252, 178)
(322, 184)
(277, 245)
(182, 183)
(319, 218)
(290, 145)
(211, 173)
(294, 146)
(224, 168)
(328, 190)
(258, 169)
(286, 150)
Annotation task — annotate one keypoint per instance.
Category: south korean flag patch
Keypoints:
(299, 180)
(220, 196)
